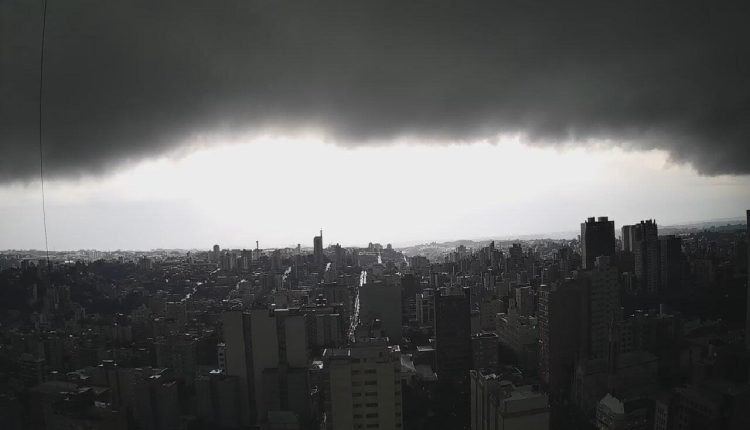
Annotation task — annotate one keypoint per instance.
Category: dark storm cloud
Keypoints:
(128, 80)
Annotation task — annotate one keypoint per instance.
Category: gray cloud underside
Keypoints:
(128, 80)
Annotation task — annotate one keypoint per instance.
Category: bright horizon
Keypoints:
(281, 191)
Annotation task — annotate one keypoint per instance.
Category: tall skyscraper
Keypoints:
(363, 386)
(627, 238)
(453, 336)
(646, 256)
(247, 259)
(670, 262)
(525, 300)
(425, 307)
(267, 350)
(217, 402)
(563, 332)
(216, 255)
(597, 239)
(381, 299)
(318, 249)
(604, 306)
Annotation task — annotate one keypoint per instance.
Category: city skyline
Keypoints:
(393, 215)
(474, 336)
(197, 199)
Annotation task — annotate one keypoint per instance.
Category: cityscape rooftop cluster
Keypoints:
(621, 328)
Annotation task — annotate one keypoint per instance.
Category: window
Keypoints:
(373, 415)
(371, 405)
(371, 371)
(371, 382)
(371, 394)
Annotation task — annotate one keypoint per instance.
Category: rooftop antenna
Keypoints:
(41, 152)
(256, 245)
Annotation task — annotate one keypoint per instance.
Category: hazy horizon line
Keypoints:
(553, 235)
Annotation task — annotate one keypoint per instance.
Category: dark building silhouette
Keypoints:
(563, 333)
(603, 304)
(597, 239)
(645, 245)
(318, 249)
(670, 261)
(627, 238)
(453, 336)
(216, 256)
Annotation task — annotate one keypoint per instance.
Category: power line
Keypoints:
(41, 152)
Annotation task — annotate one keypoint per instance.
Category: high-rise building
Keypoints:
(475, 321)
(484, 351)
(514, 263)
(326, 327)
(525, 300)
(179, 354)
(267, 350)
(497, 404)
(217, 400)
(488, 310)
(597, 239)
(670, 262)
(645, 246)
(157, 403)
(453, 336)
(318, 249)
(363, 386)
(381, 299)
(425, 307)
(228, 261)
(627, 238)
(519, 336)
(603, 305)
(247, 259)
(339, 255)
(563, 332)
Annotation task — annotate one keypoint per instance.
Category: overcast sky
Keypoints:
(188, 123)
